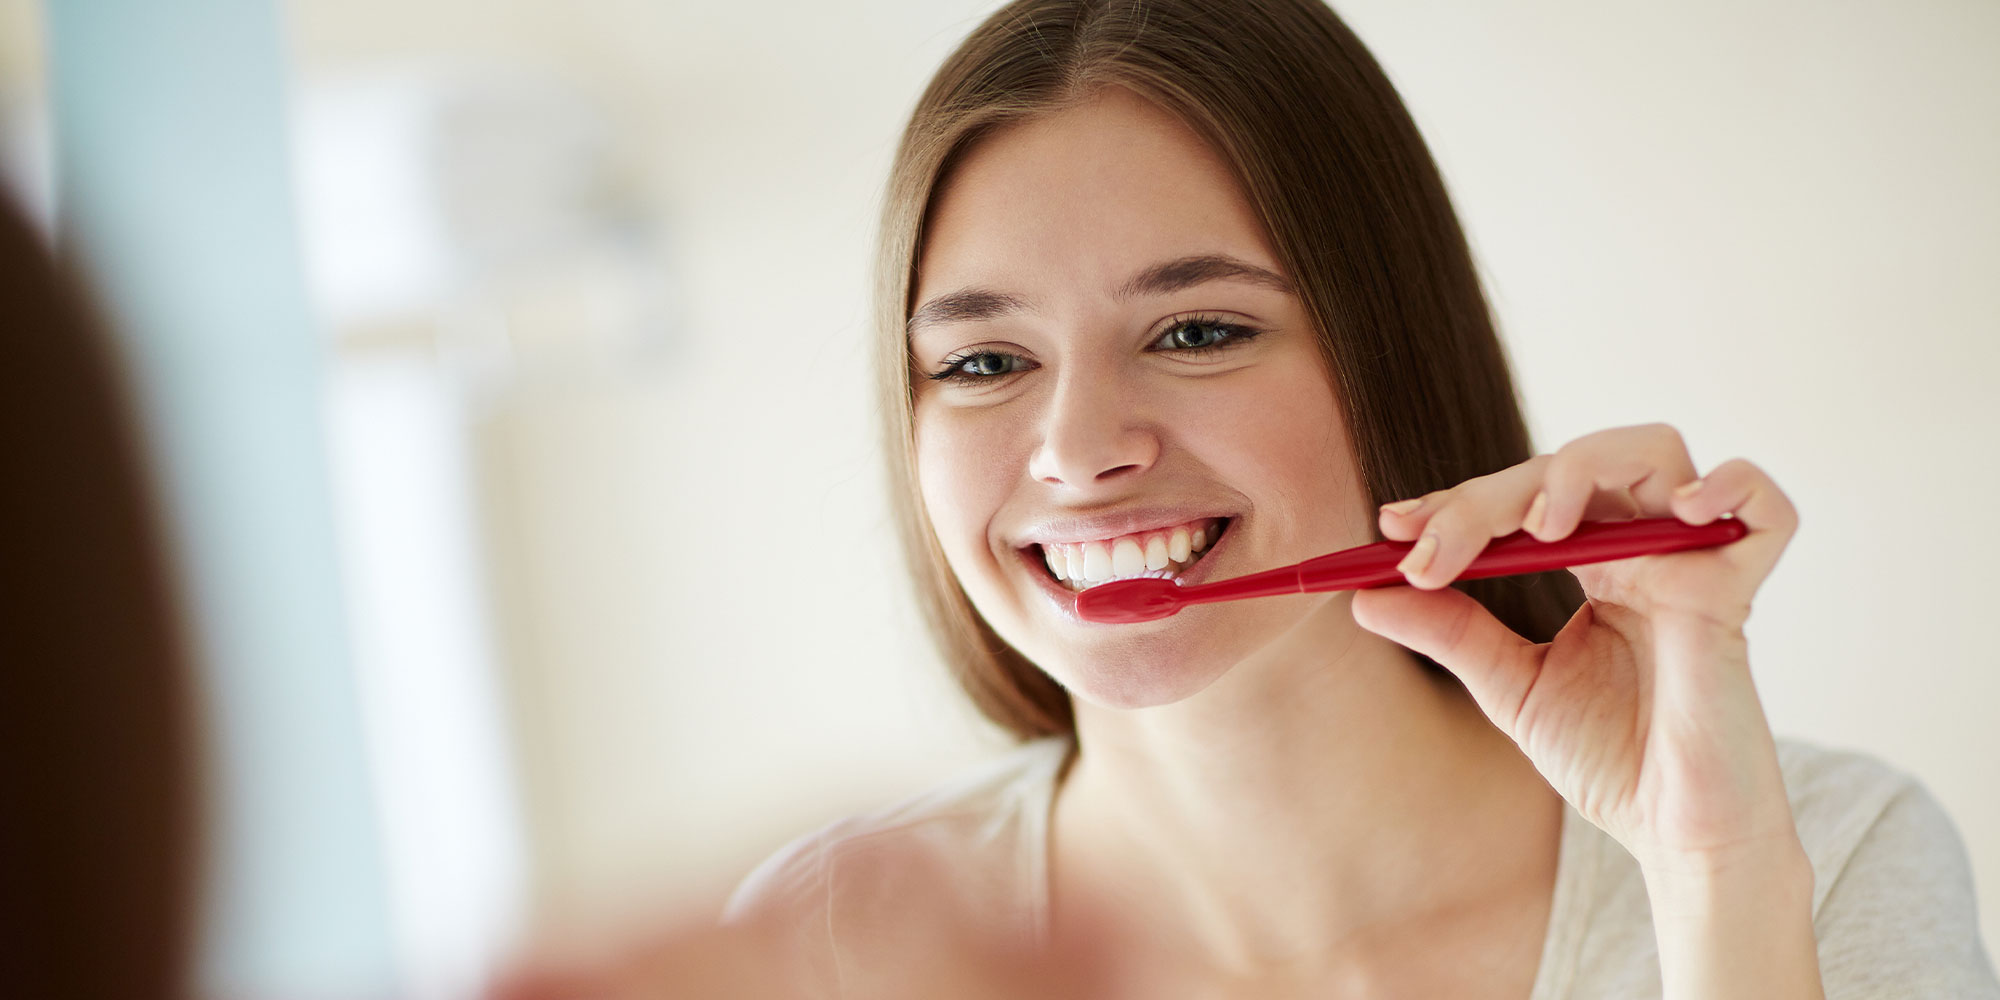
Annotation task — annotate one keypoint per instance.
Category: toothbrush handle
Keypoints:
(1591, 542)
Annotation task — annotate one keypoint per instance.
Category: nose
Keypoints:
(1092, 435)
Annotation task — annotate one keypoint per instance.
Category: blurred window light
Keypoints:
(464, 234)
(456, 203)
(426, 673)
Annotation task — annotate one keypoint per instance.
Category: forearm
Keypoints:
(1736, 928)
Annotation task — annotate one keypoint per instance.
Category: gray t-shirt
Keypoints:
(1893, 902)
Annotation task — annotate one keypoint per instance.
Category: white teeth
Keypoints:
(1163, 554)
(1096, 561)
(1127, 558)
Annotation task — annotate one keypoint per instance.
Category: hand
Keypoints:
(1641, 712)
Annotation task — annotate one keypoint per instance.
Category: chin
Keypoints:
(1129, 681)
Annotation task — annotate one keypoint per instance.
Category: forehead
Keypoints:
(1081, 199)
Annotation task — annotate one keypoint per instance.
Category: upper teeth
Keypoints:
(1162, 552)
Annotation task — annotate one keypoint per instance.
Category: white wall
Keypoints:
(1771, 224)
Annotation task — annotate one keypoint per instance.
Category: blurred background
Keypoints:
(495, 352)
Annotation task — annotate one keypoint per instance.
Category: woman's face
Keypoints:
(1102, 403)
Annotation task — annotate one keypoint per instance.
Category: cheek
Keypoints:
(1283, 422)
(961, 478)
(1282, 439)
(1305, 431)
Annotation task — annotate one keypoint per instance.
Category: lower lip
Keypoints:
(1062, 600)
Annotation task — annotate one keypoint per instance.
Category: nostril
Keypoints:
(1083, 453)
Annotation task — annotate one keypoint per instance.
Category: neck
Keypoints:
(1327, 789)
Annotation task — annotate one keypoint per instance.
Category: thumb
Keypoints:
(1497, 666)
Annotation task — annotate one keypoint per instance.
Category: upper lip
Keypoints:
(1109, 524)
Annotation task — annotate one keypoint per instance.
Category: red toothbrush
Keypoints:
(1147, 598)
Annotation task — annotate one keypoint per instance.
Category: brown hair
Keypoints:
(1354, 208)
(98, 794)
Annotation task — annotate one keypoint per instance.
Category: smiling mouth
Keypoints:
(1162, 553)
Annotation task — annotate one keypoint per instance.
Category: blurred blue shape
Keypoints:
(173, 188)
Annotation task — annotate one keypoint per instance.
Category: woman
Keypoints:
(1174, 287)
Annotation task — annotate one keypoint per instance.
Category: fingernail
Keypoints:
(1686, 490)
(1403, 506)
(1537, 510)
(1419, 557)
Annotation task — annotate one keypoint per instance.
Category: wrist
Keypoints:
(1735, 923)
(1774, 862)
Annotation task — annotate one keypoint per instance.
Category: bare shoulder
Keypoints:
(961, 840)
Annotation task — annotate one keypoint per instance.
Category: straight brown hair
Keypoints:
(1355, 210)
(99, 794)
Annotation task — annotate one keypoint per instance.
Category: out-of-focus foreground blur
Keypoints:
(494, 352)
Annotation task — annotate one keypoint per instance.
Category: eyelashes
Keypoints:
(979, 366)
(1198, 336)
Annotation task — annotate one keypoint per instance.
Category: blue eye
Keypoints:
(1199, 335)
(979, 366)
(1190, 335)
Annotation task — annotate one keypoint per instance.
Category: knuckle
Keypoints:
(1561, 469)
(1492, 482)
(1748, 470)
(1537, 468)
(1663, 439)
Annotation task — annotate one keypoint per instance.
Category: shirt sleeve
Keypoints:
(1900, 920)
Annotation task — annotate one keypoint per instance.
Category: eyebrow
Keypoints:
(972, 304)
